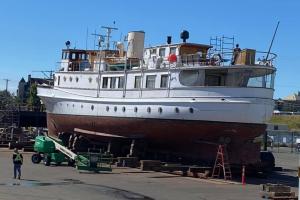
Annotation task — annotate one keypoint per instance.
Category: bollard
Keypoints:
(243, 175)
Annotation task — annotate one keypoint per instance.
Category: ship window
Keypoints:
(113, 81)
(90, 79)
(172, 50)
(123, 109)
(150, 81)
(135, 109)
(191, 110)
(58, 81)
(104, 82)
(160, 110)
(164, 81)
(73, 56)
(92, 107)
(137, 82)
(149, 110)
(191, 77)
(162, 52)
(115, 108)
(177, 110)
(70, 78)
(65, 78)
(153, 51)
(81, 106)
(107, 108)
(121, 82)
(77, 79)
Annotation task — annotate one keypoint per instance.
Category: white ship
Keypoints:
(182, 98)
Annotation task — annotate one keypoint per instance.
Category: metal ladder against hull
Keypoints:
(222, 164)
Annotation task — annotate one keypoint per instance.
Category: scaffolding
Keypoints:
(223, 46)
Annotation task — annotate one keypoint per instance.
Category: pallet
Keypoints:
(277, 191)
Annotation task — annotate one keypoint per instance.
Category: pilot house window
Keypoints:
(113, 82)
(104, 82)
(150, 81)
(162, 52)
(164, 81)
(137, 82)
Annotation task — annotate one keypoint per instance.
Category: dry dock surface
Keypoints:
(62, 183)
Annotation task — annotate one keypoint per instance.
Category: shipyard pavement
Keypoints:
(63, 183)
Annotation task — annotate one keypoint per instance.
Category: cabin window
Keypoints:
(73, 56)
(104, 82)
(215, 77)
(152, 51)
(137, 82)
(150, 81)
(121, 82)
(172, 50)
(164, 81)
(113, 81)
(162, 52)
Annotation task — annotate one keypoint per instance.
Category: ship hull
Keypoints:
(193, 139)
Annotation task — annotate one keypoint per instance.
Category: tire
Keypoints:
(47, 161)
(71, 163)
(36, 158)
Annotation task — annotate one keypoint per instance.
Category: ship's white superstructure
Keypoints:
(172, 82)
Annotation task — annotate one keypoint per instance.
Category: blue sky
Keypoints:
(33, 32)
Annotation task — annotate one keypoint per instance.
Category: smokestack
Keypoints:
(169, 39)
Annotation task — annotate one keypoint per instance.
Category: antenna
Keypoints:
(272, 40)
(86, 39)
(108, 33)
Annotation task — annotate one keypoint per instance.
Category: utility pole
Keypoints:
(6, 87)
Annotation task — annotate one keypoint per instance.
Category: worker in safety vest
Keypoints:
(18, 161)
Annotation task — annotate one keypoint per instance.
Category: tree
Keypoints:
(33, 101)
(7, 101)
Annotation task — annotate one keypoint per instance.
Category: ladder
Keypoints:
(222, 164)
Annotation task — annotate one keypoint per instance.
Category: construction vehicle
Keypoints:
(51, 150)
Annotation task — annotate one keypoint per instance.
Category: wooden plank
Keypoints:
(82, 131)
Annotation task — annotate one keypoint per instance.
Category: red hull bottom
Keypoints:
(192, 139)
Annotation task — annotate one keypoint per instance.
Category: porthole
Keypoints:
(107, 108)
(90, 79)
(92, 107)
(149, 110)
(177, 110)
(160, 110)
(191, 110)
(65, 78)
(135, 109)
(70, 78)
(77, 79)
(123, 109)
(115, 108)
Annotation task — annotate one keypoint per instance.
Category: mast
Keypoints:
(108, 35)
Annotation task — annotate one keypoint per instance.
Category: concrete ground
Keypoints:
(62, 183)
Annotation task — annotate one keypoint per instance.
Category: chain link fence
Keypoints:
(283, 141)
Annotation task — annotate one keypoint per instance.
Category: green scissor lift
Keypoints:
(52, 150)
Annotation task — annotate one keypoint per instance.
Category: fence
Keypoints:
(283, 141)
